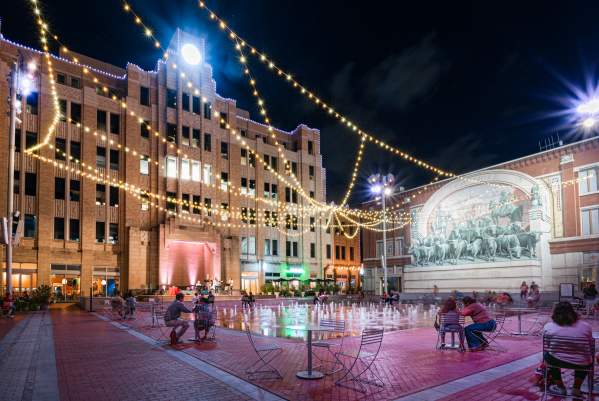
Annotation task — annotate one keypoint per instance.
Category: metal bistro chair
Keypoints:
(208, 317)
(337, 326)
(490, 337)
(266, 354)
(452, 328)
(571, 346)
(361, 363)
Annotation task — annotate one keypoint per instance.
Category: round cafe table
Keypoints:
(309, 373)
(519, 312)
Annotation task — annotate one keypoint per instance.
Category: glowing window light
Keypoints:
(191, 54)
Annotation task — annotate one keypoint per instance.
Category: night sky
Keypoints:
(462, 85)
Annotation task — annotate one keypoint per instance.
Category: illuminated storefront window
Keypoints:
(24, 278)
(65, 282)
(106, 281)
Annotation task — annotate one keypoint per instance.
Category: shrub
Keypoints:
(41, 295)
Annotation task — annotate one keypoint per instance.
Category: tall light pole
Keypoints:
(19, 84)
(382, 185)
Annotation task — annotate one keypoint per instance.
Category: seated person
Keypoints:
(534, 296)
(451, 321)
(565, 322)
(8, 306)
(172, 318)
(504, 299)
(482, 322)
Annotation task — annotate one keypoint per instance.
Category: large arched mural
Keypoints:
(491, 216)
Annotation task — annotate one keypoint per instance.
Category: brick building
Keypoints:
(81, 235)
(345, 269)
(530, 219)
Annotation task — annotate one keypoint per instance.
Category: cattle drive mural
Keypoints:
(477, 225)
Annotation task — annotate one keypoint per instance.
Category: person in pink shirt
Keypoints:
(565, 323)
(482, 322)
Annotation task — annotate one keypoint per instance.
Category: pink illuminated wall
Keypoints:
(186, 262)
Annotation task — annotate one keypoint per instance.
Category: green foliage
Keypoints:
(267, 288)
(41, 295)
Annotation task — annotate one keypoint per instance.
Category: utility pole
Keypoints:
(14, 87)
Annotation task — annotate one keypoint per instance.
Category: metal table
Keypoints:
(310, 373)
(519, 312)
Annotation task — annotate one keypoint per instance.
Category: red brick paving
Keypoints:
(407, 363)
(97, 361)
(6, 324)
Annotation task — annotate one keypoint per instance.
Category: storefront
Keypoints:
(106, 281)
(24, 278)
(65, 281)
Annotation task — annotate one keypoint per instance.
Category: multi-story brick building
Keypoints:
(83, 235)
(530, 219)
(345, 270)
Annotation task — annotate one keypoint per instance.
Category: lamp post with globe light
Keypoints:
(589, 111)
(381, 185)
(21, 83)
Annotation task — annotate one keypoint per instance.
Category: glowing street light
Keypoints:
(589, 107)
(382, 185)
(191, 54)
(589, 122)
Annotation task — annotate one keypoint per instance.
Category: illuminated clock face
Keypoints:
(191, 54)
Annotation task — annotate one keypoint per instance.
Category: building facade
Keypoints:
(535, 218)
(345, 269)
(206, 206)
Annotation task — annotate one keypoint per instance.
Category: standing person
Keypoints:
(523, 290)
(534, 296)
(130, 305)
(172, 318)
(482, 322)
(589, 295)
(565, 323)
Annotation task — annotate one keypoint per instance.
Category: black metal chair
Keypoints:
(450, 326)
(571, 346)
(266, 354)
(490, 337)
(337, 326)
(361, 363)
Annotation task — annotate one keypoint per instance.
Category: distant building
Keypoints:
(80, 235)
(345, 269)
(535, 218)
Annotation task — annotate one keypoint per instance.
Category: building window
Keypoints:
(59, 188)
(100, 227)
(267, 251)
(185, 135)
(145, 202)
(590, 221)
(145, 129)
(17, 140)
(197, 204)
(185, 202)
(76, 150)
(171, 98)
(74, 230)
(114, 159)
(588, 180)
(207, 174)
(399, 246)
(312, 224)
(62, 107)
(223, 120)
(337, 252)
(208, 206)
(195, 105)
(171, 132)
(185, 170)
(100, 157)
(328, 251)
(30, 184)
(144, 165)
(244, 157)
(275, 247)
(208, 110)
(195, 138)
(291, 249)
(171, 203)
(74, 190)
(274, 163)
(224, 150)
(75, 83)
(75, 113)
(60, 149)
(17, 182)
(267, 190)
(59, 228)
(30, 140)
(351, 253)
(274, 191)
(144, 96)
(195, 171)
(114, 196)
(224, 180)
(312, 194)
(310, 147)
(311, 172)
(101, 120)
(100, 194)
(312, 250)
(115, 123)
(31, 103)
(207, 142)
(113, 233)
(248, 245)
(171, 167)
(185, 101)
(30, 226)
(61, 78)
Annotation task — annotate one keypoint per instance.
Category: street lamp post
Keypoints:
(382, 185)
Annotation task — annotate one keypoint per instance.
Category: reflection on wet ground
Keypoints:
(275, 320)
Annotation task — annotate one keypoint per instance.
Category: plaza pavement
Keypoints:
(75, 355)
